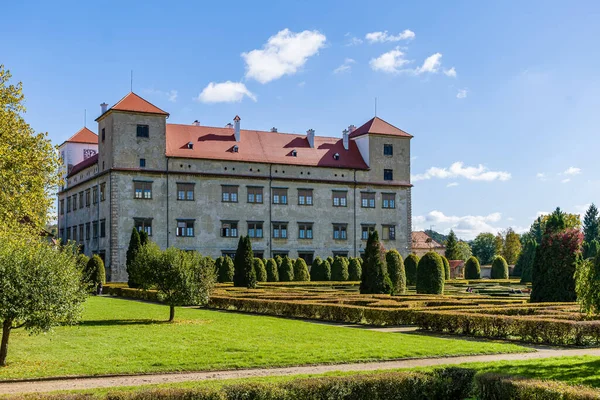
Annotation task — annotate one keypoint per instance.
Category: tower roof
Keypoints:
(379, 127)
(133, 102)
(84, 135)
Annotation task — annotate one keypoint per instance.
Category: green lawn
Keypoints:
(124, 337)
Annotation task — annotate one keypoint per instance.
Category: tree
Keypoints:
(259, 270)
(430, 274)
(587, 286)
(226, 270)
(446, 268)
(134, 247)
(339, 269)
(301, 271)
(512, 246)
(396, 271)
(537, 230)
(354, 269)
(499, 268)
(411, 263)
(243, 264)
(375, 278)
(463, 250)
(272, 272)
(591, 249)
(452, 251)
(498, 245)
(95, 274)
(144, 239)
(524, 265)
(29, 164)
(472, 268)
(320, 270)
(41, 285)
(591, 225)
(484, 247)
(286, 271)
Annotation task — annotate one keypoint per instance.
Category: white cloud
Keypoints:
(283, 54)
(462, 93)
(458, 170)
(566, 180)
(381, 37)
(301, 84)
(431, 64)
(541, 176)
(466, 227)
(452, 184)
(450, 72)
(345, 67)
(390, 62)
(352, 40)
(224, 92)
(572, 171)
(171, 95)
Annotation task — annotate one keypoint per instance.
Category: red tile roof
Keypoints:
(378, 126)
(260, 146)
(88, 162)
(421, 240)
(133, 102)
(84, 135)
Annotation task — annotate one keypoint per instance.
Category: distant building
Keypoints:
(423, 243)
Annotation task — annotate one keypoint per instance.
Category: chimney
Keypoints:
(351, 128)
(310, 135)
(236, 127)
(103, 108)
(345, 139)
(196, 123)
(229, 125)
(274, 130)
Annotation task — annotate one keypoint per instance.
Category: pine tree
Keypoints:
(396, 271)
(452, 251)
(244, 275)
(524, 265)
(375, 278)
(301, 271)
(556, 222)
(591, 249)
(591, 229)
(132, 250)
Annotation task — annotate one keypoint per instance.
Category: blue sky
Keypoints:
(508, 90)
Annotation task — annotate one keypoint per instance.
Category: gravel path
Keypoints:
(139, 380)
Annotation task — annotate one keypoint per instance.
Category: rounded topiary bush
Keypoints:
(260, 270)
(330, 260)
(301, 271)
(411, 263)
(472, 268)
(272, 272)
(354, 269)
(286, 271)
(395, 267)
(339, 270)
(225, 269)
(499, 268)
(446, 268)
(95, 275)
(430, 274)
(320, 271)
(278, 260)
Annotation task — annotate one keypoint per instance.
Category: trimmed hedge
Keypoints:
(430, 274)
(411, 263)
(272, 272)
(301, 271)
(260, 270)
(446, 268)
(499, 268)
(286, 270)
(472, 268)
(339, 269)
(354, 269)
(396, 271)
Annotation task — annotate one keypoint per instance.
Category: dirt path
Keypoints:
(139, 380)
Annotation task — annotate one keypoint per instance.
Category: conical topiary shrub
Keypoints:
(134, 247)
(286, 271)
(446, 268)
(472, 268)
(411, 263)
(244, 274)
(95, 274)
(395, 266)
(260, 270)
(430, 274)
(499, 268)
(339, 270)
(272, 272)
(375, 278)
(320, 270)
(354, 270)
(301, 271)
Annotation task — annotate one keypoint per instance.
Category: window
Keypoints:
(305, 230)
(81, 204)
(388, 200)
(389, 232)
(185, 191)
(142, 131)
(280, 230)
(307, 256)
(255, 194)
(280, 196)
(280, 253)
(142, 190)
(103, 134)
(229, 229)
(388, 175)
(305, 197)
(143, 225)
(229, 194)
(255, 229)
(339, 199)
(74, 200)
(95, 229)
(87, 231)
(87, 198)
(69, 204)
(339, 231)
(366, 230)
(142, 163)
(81, 233)
(102, 228)
(228, 253)
(185, 228)
(95, 195)
(258, 254)
(340, 254)
(62, 206)
(388, 150)
(367, 199)
(74, 233)
(103, 191)
(68, 233)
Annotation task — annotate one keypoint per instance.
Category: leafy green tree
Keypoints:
(591, 249)
(452, 250)
(396, 271)
(446, 268)
(95, 274)
(411, 263)
(259, 270)
(243, 264)
(40, 285)
(320, 270)
(484, 247)
(272, 272)
(286, 271)
(339, 269)
(512, 246)
(524, 265)
(29, 164)
(587, 286)
(499, 268)
(472, 268)
(134, 247)
(464, 250)
(591, 224)
(498, 245)
(375, 278)
(301, 271)
(354, 269)
(430, 274)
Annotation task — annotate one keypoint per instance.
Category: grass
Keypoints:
(128, 337)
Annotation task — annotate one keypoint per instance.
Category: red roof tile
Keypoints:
(88, 162)
(421, 240)
(378, 126)
(84, 135)
(133, 102)
(260, 146)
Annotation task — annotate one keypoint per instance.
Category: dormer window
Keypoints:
(190, 145)
(294, 153)
(336, 156)
(236, 148)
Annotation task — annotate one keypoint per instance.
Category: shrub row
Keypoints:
(130, 293)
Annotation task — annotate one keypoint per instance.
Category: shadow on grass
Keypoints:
(123, 322)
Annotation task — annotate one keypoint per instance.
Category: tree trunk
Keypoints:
(6, 327)
(172, 314)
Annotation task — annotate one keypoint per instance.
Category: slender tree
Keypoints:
(134, 247)
(396, 271)
(375, 278)
(591, 228)
(524, 266)
(244, 274)
(452, 250)
(498, 245)
(512, 246)
(446, 268)
(591, 249)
